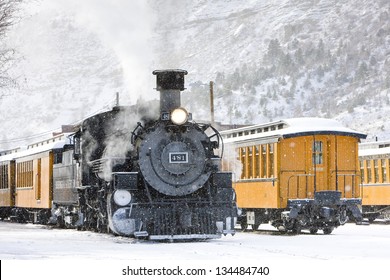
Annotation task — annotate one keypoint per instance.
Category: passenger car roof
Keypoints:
(288, 128)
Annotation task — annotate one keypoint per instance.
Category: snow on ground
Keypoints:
(349, 250)
(32, 242)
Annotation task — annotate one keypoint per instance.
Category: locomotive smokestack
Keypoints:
(169, 84)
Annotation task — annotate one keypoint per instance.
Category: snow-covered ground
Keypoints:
(350, 250)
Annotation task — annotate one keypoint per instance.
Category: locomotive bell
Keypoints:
(169, 83)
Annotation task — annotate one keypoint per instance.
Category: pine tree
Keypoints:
(274, 52)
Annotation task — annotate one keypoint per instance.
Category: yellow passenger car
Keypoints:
(298, 173)
(7, 187)
(27, 180)
(375, 170)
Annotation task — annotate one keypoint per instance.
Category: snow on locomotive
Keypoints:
(131, 173)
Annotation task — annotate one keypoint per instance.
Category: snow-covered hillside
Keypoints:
(278, 59)
(269, 60)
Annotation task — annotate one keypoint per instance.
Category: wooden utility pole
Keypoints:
(212, 102)
(117, 99)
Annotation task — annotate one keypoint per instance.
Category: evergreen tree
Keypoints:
(274, 52)
(362, 72)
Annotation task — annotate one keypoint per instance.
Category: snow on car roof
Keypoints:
(375, 149)
(57, 142)
(374, 152)
(290, 128)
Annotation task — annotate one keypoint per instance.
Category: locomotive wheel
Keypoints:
(244, 225)
(296, 229)
(81, 228)
(328, 230)
(102, 226)
(282, 229)
(60, 222)
(255, 226)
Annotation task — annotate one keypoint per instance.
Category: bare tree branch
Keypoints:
(8, 11)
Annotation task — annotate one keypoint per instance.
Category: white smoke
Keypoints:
(127, 28)
(119, 133)
(231, 162)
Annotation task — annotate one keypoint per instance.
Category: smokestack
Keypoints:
(169, 83)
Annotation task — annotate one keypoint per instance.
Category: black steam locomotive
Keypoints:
(135, 174)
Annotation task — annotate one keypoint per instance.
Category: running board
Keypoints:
(141, 234)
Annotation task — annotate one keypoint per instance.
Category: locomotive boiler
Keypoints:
(148, 175)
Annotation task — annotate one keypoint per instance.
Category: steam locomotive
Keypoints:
(131, 173)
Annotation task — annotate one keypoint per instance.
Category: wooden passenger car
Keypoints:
(30, 179)
(375, 170)
(7, 186)
(287, 172)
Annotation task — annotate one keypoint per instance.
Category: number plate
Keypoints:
(178, 157)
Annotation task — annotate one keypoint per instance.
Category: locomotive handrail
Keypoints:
(216, 133)
(97, 165)
(106, 158)
(134, 135)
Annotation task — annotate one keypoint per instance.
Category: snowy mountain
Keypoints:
(278, 59)
(269, 60)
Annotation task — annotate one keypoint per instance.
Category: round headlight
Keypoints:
(122, 197)
(179, 116)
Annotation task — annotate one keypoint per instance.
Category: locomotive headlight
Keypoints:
(179, 116)
(122, 197)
